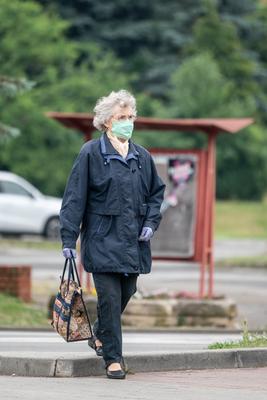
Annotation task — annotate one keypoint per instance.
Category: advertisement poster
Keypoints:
(175, 235)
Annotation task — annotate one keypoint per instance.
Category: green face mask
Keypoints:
(123, 129)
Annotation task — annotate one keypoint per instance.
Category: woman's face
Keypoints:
(120, 114)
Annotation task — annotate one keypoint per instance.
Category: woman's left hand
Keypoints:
(146, 234)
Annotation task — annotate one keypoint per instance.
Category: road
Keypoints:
(246, 286)
(133, 342)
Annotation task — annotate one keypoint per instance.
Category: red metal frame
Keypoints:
(204, 230)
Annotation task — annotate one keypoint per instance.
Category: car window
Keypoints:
(8, 187)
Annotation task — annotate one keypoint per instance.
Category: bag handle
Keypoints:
(64, 270)
(74, 269)
(70, 272)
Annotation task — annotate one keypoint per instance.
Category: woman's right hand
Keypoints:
(69, 253)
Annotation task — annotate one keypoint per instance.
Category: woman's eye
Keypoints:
(124, 117)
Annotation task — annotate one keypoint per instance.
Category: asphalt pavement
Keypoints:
(230, 384)
(133, 342)
(246, 286)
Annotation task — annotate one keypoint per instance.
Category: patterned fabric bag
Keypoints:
(70, 317)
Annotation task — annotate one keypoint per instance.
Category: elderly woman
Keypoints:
(115, 194)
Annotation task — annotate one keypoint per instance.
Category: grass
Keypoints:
(248, 340)
(251, 262)
(241, 219)
(36, 243)
(16, 313)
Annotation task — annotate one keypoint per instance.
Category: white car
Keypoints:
(25, 210)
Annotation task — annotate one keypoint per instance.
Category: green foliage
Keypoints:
(64, 83)
(204, 58)
(147, 35)
(241, 166)
(199, 89)
(9, 87)
(220, 37)
(33, 42)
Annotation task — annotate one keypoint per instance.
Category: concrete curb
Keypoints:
(127, 329)
(71, 365)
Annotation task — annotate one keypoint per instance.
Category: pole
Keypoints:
(212, 213)
(207, 251)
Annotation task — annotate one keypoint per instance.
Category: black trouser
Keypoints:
(114, 290)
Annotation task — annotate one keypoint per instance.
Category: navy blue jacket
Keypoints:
(108, 199)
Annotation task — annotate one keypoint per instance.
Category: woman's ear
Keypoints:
(108, 124)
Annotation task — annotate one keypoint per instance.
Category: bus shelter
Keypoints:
(186, 232)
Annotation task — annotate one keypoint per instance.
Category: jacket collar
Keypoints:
(108, 149)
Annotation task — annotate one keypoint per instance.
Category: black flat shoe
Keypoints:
(98, 349)
(118, 374)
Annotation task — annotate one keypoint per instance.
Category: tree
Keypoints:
(172, 51)
(220, 38)
(42, 53)
(199, 89)
(147, 35)
(9, 87)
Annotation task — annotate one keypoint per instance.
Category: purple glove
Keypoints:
(69, 253)
(146, 234)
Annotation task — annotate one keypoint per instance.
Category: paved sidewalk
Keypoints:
(231, 384)
(47, 354)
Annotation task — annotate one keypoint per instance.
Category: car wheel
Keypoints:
(51, 230)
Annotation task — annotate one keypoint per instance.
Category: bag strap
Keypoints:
(74, 269)
(64, 270)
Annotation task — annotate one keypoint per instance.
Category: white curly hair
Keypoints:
(105, 107)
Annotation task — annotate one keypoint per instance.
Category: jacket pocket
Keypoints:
(99, 225)
(104, 225)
